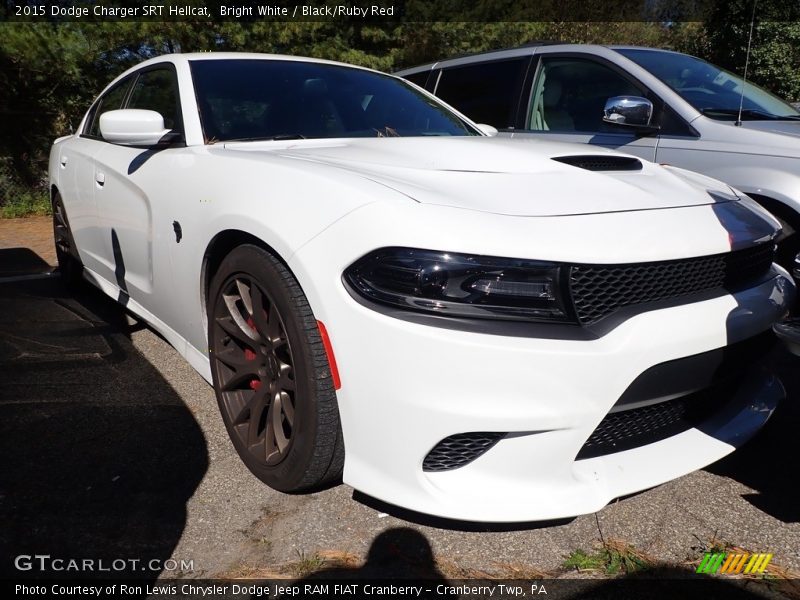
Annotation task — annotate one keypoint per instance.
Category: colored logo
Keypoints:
(731, 563)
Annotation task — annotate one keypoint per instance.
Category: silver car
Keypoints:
(660, 105)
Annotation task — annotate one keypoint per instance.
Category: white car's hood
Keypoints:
(501, 176)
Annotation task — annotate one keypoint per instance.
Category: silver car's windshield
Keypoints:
(246, 100)
(713, 91)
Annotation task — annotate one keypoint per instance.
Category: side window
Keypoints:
(485, 92)
(111, 100)
(569, 95)
(157, 90)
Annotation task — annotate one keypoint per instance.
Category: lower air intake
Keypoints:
(460, 449)
(637, 427)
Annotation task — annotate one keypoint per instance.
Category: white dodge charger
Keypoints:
(379, 292)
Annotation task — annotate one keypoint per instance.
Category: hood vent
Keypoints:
(602, 163)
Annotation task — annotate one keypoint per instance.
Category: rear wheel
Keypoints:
(271, 374)
(69, 262)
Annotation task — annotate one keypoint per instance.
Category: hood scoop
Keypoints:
(601, 163)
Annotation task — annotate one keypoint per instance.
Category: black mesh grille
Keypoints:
(458, 450)
(602, 163)
(648, 424)
(719, 372)
(599, 290)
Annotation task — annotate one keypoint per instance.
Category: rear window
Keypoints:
(485, 92)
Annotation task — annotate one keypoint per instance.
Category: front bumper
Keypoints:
(407, 386)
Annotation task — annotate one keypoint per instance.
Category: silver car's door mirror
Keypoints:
(630, 111)
(487, 129)
(132, 127)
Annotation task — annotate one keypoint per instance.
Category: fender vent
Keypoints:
(602, 163)
(458, 450)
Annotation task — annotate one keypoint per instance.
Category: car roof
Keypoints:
(179, 57)
(522, 51)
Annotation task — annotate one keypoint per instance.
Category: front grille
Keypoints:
(599, 290)
(636, 427)
(458, 450)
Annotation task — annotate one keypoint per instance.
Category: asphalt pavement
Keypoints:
(113, 446)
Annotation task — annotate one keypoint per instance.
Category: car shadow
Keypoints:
(21, 261)
(765, 463)
(761, 463)
(99, 453)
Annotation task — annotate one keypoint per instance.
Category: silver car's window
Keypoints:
(569, 94)
(713, 91)
(487, 92)
(242, 99)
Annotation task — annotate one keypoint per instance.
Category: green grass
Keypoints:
(307, 564)
(584, 561)
(612, 558)
(25, 203)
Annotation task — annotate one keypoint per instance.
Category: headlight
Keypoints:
(462, 285)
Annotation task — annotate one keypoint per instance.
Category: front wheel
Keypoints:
(271, 374)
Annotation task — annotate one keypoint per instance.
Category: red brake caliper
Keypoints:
(250, 355)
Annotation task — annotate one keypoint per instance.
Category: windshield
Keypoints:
(711, 90)
(245, 99)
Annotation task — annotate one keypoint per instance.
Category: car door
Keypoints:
(565, 102)
(77, 182)
(131, 187)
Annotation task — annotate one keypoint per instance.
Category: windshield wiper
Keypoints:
(270, 138)
(751, 114)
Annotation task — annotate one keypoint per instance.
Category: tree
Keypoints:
(775, 49)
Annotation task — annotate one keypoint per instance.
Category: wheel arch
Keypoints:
(779, 208)
(217, 249)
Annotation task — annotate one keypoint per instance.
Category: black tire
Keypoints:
(271, 374)
(69, 263)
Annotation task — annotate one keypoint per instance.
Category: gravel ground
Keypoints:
(115, 447)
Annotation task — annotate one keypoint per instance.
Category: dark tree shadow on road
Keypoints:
(99, 454)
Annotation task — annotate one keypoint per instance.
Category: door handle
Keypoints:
(63, 161)
(100, 178)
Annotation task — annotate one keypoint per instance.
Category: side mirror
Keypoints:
(133, 127)
(628, 111)
(487, 129)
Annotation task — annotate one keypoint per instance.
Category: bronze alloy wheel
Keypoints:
(255, 369)
(271, 373)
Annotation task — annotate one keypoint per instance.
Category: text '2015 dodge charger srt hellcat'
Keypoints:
(472, 327)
